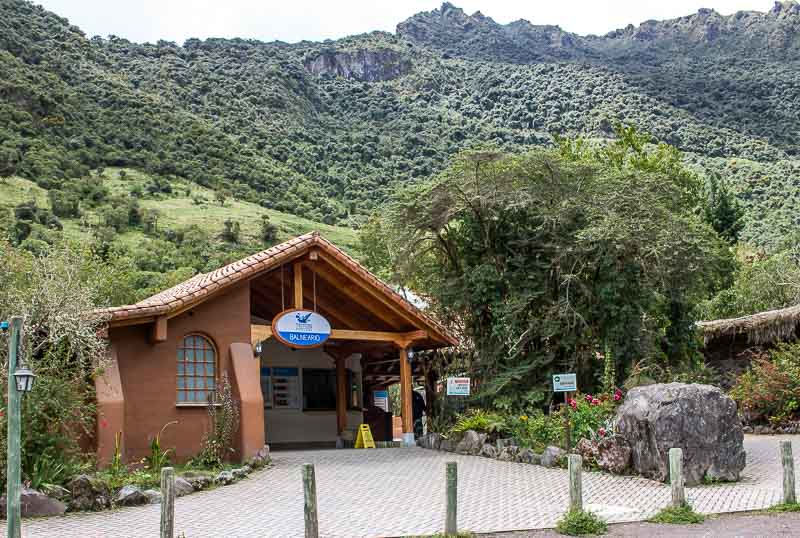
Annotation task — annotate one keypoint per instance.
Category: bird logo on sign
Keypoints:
(303, 318)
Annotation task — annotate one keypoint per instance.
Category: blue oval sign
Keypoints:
(301, 328)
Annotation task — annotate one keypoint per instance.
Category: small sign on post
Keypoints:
(565, 383)
(458, 386)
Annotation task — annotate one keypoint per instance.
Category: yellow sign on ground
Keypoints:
(364, 439)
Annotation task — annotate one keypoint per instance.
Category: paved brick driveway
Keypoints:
(396, 492)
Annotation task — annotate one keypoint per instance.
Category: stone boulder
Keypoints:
(33, 503)
(488, 451)
(129, 496)
(225, 478)
(700, 419)
(182, 487)
(153, 496)
(551, 456)
(448, 445)
(611, 454)
(430, 440)
(198, 479)
(527, 455)
(88, 494)
(508, 453)
(471, 443)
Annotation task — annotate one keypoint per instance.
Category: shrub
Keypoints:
(678, 515)
(591, 416)
(62, 344)
(480, 421)
(580, 523)
(218, 443)
(770, 390)
(536, 430)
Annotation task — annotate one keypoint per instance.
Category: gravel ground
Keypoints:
(729, 525)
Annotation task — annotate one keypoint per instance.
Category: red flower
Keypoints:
(573, 404)
(617, 395)
(601, 432)
(588, 398)
(595, 401)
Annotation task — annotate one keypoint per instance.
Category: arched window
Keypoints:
(197, 369)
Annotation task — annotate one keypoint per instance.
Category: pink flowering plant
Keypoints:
(591, 416)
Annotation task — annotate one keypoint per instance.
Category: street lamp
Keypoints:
(24, 378)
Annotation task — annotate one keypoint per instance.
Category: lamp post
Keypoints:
(20, 380)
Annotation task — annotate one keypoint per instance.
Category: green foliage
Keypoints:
(480, 421)
(784, 507)
(581, 523)
(769, 390)
(224, 414)
(546, 259)
(681, 515)
(761, 283)
(588, 415)
(54, 294)
(278, 125)
(536, 430)
(722, 210)
(158, 456)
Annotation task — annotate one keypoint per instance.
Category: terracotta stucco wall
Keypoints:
(148, 373)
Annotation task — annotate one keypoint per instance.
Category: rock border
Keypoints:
(88, 493)
(474, 444)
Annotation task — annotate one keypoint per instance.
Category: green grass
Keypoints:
(460, 534)
(678, 516)
(179, 210)
(581, 523)
(784, 507)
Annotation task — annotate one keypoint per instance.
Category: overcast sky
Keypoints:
(296, 20)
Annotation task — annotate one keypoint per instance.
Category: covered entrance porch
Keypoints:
(319, 396)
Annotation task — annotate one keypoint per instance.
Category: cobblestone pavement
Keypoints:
(399, 492)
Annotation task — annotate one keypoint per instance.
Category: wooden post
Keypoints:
(297, 269)
(167, 502)
(451, 518)
(341, 395)
(676, 477)
(310, 505)
(406, 400)
(13, 455)
(789, 496)
(575, 464)
(567, 424)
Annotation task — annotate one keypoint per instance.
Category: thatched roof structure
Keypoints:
(762, 328)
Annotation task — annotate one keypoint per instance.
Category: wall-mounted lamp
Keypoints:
(258, 347)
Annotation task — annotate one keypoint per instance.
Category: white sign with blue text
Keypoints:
(301, 328)
(565, 383)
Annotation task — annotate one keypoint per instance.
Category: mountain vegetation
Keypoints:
(329, 130)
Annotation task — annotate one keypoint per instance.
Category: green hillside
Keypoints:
(178, 210)
(328, 130)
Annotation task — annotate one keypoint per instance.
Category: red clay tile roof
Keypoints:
(200, 286)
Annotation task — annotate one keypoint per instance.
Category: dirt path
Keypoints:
(729, 525)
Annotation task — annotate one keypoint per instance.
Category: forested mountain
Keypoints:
(327, 130)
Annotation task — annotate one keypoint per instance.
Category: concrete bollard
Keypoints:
(310, 504)
(789, 496)
(676, 477)
(575, 465)
(167, 502)
(451, 517)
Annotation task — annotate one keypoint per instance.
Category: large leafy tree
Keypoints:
(551, 259)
